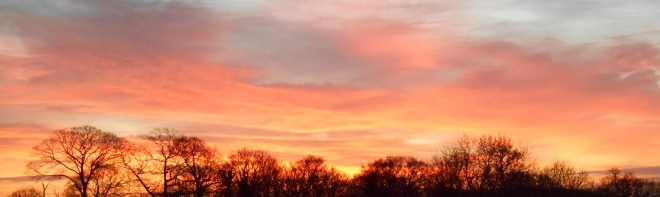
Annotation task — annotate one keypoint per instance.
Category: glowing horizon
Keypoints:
(348, 81)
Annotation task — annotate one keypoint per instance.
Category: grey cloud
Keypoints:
(292, 53)
(48, 8)
(577, 21)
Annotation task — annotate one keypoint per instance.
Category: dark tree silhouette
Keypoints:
(563, 176)
(620, 184)
(79, 154)
(312, 177)
(500, 165)
(252, 173)
(154, 165)
(454, 170)
(26, 192)
(561, 179)
(487, 166)
(392, 176)
(199, 171)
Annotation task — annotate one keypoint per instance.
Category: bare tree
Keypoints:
(452, 173)
(170, 164)
(486, 165)
(199, 171)
(78, 154)
(501, 165)
(251, 173)
(312, 177)
(562, 175)
(26, 192)
(457, 164)
(392, 176)
(154, 165)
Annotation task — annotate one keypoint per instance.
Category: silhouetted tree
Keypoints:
(454, 171)
(79, 154)
(562, 175)
(620, 184)
(393, 176)
(312, 177)
(26, 192)
(487, 166)
(561, 179)
(252, 173)
(154, 165)
(199, 170)
(500, 165)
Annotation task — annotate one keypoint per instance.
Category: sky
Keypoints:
(350, 81)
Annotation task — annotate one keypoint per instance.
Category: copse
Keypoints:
(167, 163)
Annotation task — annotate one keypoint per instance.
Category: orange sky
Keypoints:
(347, 81)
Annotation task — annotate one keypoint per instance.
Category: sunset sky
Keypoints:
(347, 80)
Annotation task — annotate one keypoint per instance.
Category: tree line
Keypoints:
(166, 163)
